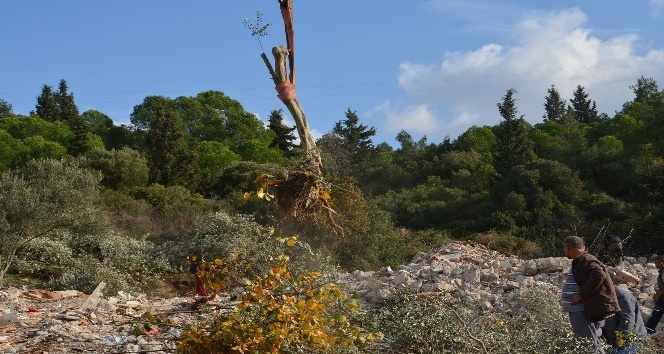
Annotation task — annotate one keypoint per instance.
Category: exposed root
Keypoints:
(300, 194)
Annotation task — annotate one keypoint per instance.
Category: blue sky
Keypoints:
(430, 67)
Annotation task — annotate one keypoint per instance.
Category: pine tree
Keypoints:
(554, 107)
(167, 153)
(5, 109)
(585, 109)
(56, 106)
(65, 101)
(513, 146)
(356, 139)
(284, 134)
(47, 105)
(645, 90)
(79, 144)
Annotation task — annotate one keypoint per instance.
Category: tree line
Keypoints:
(577, 172)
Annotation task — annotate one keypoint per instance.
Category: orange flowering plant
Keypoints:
(278, 312)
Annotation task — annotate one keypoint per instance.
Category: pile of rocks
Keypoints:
(489, 279)
(39, 321)
(464, 268)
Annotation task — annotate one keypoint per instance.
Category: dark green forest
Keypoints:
(81, 193)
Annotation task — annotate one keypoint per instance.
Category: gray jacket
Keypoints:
(628, 320)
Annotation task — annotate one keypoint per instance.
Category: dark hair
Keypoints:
(613, 239)
(573, 241)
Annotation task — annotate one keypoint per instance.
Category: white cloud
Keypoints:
(657, 6)
(421, 120)
(314, 132)
(416, 119)
(549, 48)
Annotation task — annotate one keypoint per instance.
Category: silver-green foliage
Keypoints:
(62, 249)
(81, 263)
(122, 169)
(51, 225)
(125, 253)
(223, 235)
(43, 256)
(447, 323)
(42, 198)
(86, 272)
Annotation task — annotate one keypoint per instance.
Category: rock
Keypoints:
(8, 318)
(400, 278)
(68, 293)
(530, 267)
(471, 276)
(385, 272)
(479, 278)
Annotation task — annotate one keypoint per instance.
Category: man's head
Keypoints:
(613, 239)
(659, 261)
(573, 246)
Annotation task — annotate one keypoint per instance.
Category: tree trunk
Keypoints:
(287, 95)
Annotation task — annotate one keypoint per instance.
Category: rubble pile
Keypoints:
(491, 280)
(474, 270)
(40, 321)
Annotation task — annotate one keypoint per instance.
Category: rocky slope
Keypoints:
(39, 321)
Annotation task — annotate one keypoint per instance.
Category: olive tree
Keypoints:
(44, 199)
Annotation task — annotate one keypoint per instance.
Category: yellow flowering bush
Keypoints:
(279, 312)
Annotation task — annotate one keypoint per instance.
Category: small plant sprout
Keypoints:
(257, 29)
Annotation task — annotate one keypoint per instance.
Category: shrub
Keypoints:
(43, 257)
(508, 244)
(241, 176)
(410, 325)
(84, 274)
(46, 198)
(446, 323)
(222, 234)
(128, 215)
(125, 253)
(124, 168)
(70, 262)
(175, 209)
(279, 312)
(225, 235)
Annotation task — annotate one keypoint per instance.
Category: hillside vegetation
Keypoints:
(84, 199)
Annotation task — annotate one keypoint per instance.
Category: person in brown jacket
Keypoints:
(597, 292)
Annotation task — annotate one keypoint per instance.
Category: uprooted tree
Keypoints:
(301, 192)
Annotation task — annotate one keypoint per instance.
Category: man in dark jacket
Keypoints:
(596, 289)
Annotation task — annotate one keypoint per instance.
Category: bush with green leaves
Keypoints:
(279, 312)
(129, 216)
(44, 199)
(43, 257)
(122, 169)
(125, 253)
(508, 244)
(174, 208)
(85, 273)
(241, 177)
(52, 226)
(448, 323)
(223, 235)
(70, 262)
